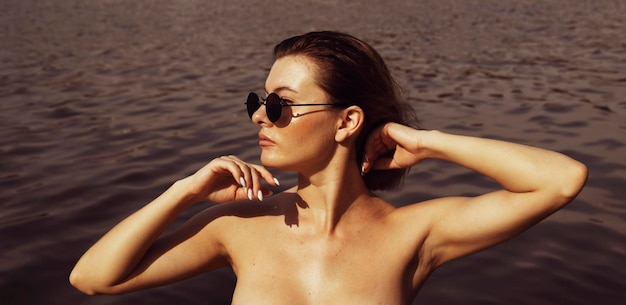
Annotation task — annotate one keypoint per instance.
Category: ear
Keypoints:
(350, 123)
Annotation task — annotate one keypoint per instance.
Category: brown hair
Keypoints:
(353, 73)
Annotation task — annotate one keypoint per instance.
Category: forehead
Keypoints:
(293, 73)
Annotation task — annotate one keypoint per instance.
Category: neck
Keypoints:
(332, 195)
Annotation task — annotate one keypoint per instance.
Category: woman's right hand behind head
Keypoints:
(392, 146)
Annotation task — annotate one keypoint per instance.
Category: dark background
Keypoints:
(103, 104)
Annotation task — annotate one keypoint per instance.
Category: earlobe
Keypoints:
(350, 123)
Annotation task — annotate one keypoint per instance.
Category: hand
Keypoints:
(228, 179)
(392, 146)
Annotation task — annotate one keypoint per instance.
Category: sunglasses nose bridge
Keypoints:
(268, 114)
(272, 105)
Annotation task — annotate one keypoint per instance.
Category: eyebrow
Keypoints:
(283, 88)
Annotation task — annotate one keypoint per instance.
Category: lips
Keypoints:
(264, 140)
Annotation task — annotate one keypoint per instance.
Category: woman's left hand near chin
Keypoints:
(228, 179)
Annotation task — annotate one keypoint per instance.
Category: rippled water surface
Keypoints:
(104, 103)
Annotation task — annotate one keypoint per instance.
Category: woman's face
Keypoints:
(303, 137)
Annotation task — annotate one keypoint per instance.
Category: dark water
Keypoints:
(104, 103)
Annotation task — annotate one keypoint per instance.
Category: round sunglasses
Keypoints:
(273, 105)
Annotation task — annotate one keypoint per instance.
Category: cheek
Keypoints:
(302, 141)
(310, 132)
(308, 135)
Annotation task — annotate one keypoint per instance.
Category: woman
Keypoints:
(332, 115)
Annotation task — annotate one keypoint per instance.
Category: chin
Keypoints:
(273, 161)
(282, 162)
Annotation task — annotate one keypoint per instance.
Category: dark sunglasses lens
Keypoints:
(253, 103)
(273, 107)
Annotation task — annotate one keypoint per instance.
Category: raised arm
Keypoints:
(536, 183)
(133, 255)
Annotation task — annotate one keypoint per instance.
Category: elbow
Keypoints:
(91, 284)
(83, 283)
(77, 281)
(576, 177)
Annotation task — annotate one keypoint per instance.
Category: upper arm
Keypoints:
(460, 226)
(192, 249)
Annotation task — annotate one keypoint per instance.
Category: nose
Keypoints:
(260, 115)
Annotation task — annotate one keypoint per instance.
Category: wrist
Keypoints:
(181, 190)
(431, 144)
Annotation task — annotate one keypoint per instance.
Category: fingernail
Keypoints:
(276, 181)
(242, 182)
(250, 194)
(260, 195)
(362, 170)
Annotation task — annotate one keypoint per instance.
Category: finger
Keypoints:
(261, 173)
(366, 165)
(240, 172)
(242, 176)
(248, 179)
(267, 176)
(261, 192)
(373, 149)
(217, 174)
(385, 163)
(242, 193)
(245, 170)
(255, 187)
(251, 179)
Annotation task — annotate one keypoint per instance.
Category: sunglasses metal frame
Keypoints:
(273, 105)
